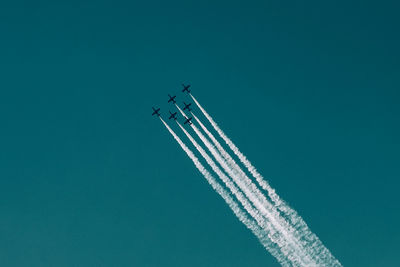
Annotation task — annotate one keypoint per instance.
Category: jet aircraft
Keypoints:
(187, 106)
(186, 88)
(172, 99)
(173, 115)
(188, 120)
(156, 112)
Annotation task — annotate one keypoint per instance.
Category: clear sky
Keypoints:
(309, 92)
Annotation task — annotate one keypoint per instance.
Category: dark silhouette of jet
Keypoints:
(172, 99)
(188, 120)
(173, 115)
(186, 88)
(156, 112)
(187, 106)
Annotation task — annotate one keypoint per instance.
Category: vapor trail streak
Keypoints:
(315, 247)
(261, 234)
(273, 235)
(240, 172)
(264, 207)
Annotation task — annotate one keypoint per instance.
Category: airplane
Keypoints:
(186, 88)
(188, 120)
(173, 115)
(187, 106)
(156, 112)
(172, 99)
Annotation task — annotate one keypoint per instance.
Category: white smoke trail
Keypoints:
(315, 247)
(240, 172)
(261, 234)
(264, 207)
(273, 235)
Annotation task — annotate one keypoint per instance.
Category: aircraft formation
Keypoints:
(278, 227)
(173, 115)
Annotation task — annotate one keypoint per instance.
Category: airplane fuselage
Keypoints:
(187, 106)
(188, 121)
(172, 99)
(156, 112)
(186, 88)
(173, 115)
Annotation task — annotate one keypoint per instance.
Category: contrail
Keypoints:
(273, 235)
(315, 247)
(240, 214)
(264, 207)
(237, 168)
(233, 164)
(309, 240)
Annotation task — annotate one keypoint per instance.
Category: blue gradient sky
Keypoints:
(309, 92)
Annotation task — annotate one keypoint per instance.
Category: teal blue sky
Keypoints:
(308, 91)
